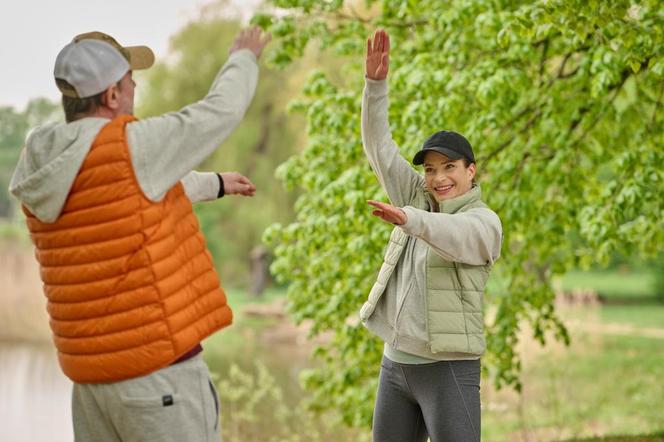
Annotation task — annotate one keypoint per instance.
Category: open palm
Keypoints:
(388, 213)
(378, 56)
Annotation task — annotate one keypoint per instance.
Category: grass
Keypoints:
(649, 315)
(239, 339)
(640, 315)
(13, 234)
(250, 339)
(600, 385)
(235, 339)
(603, 384)
(240, 298)
(611, 285)
(659, 436)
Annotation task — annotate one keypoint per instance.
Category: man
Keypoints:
(130, 284)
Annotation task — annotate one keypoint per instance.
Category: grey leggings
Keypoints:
(440, 400)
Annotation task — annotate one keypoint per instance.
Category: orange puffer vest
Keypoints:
(130, 282)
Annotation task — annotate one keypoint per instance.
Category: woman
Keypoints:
(427, 303)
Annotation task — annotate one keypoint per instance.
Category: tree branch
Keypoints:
(408, 24)
(657, 103)
(395, 24)
(506, 143)
(545, 50)
(519, 168)
(561, 70)
(599, 114)
(355, 17)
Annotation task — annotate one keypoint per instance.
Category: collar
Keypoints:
(453, 205)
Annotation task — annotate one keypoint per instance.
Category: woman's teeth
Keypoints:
(444, 188)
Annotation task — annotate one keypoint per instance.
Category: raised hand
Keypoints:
(378, 56)
(252, 39)
(388, 213)
(237, 184)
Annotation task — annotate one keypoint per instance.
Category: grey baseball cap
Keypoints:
(94, 61)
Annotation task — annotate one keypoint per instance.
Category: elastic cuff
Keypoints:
(375, 86)
(221, 186)
(410, 220)
(244, 52)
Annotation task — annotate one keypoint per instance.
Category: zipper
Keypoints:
(400, 309)
(434, 207)
(426, 300)
(463, 307)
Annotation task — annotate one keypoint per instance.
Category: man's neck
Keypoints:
(103, 112)
(100, 112)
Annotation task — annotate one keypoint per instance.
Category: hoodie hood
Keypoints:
(49, 163)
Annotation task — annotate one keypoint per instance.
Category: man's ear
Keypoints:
(110, 97)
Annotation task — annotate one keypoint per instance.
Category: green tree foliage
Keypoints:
(562, 102)
(14, 126)
(265, 138)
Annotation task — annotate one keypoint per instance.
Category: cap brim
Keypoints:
(140, 57)
(449, 153)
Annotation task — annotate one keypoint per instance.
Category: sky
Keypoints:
(32, 32)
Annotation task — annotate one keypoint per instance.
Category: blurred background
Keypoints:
(601, 379)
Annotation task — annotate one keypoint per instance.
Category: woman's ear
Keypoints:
(472, 170)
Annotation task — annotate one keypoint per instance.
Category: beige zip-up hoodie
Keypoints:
(471, 237)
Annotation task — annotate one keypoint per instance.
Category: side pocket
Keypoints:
(216, 403)
(165, 400)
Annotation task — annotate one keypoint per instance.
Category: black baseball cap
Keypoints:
(451, 144)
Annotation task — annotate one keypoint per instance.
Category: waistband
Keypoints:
(190, 354)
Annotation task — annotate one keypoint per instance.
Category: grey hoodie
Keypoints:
(163, 149)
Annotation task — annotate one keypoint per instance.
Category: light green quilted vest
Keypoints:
(454, 290)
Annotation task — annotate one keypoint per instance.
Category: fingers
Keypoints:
(245, 186)
(252, 39)
(385, 62)
(380, 43)
(388, 212)
(237, 184)
(384, 216)
(248, 191)
(384, 209)
(376, 204)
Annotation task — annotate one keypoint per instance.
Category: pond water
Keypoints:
(34, 394)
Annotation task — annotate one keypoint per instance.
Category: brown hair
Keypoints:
(467, 163)
(77, 108)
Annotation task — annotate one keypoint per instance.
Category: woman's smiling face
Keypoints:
(446, 178)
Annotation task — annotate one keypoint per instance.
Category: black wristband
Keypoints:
(221, 186)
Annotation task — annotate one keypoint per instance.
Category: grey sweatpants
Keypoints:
(440, 400)
(177, 403)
